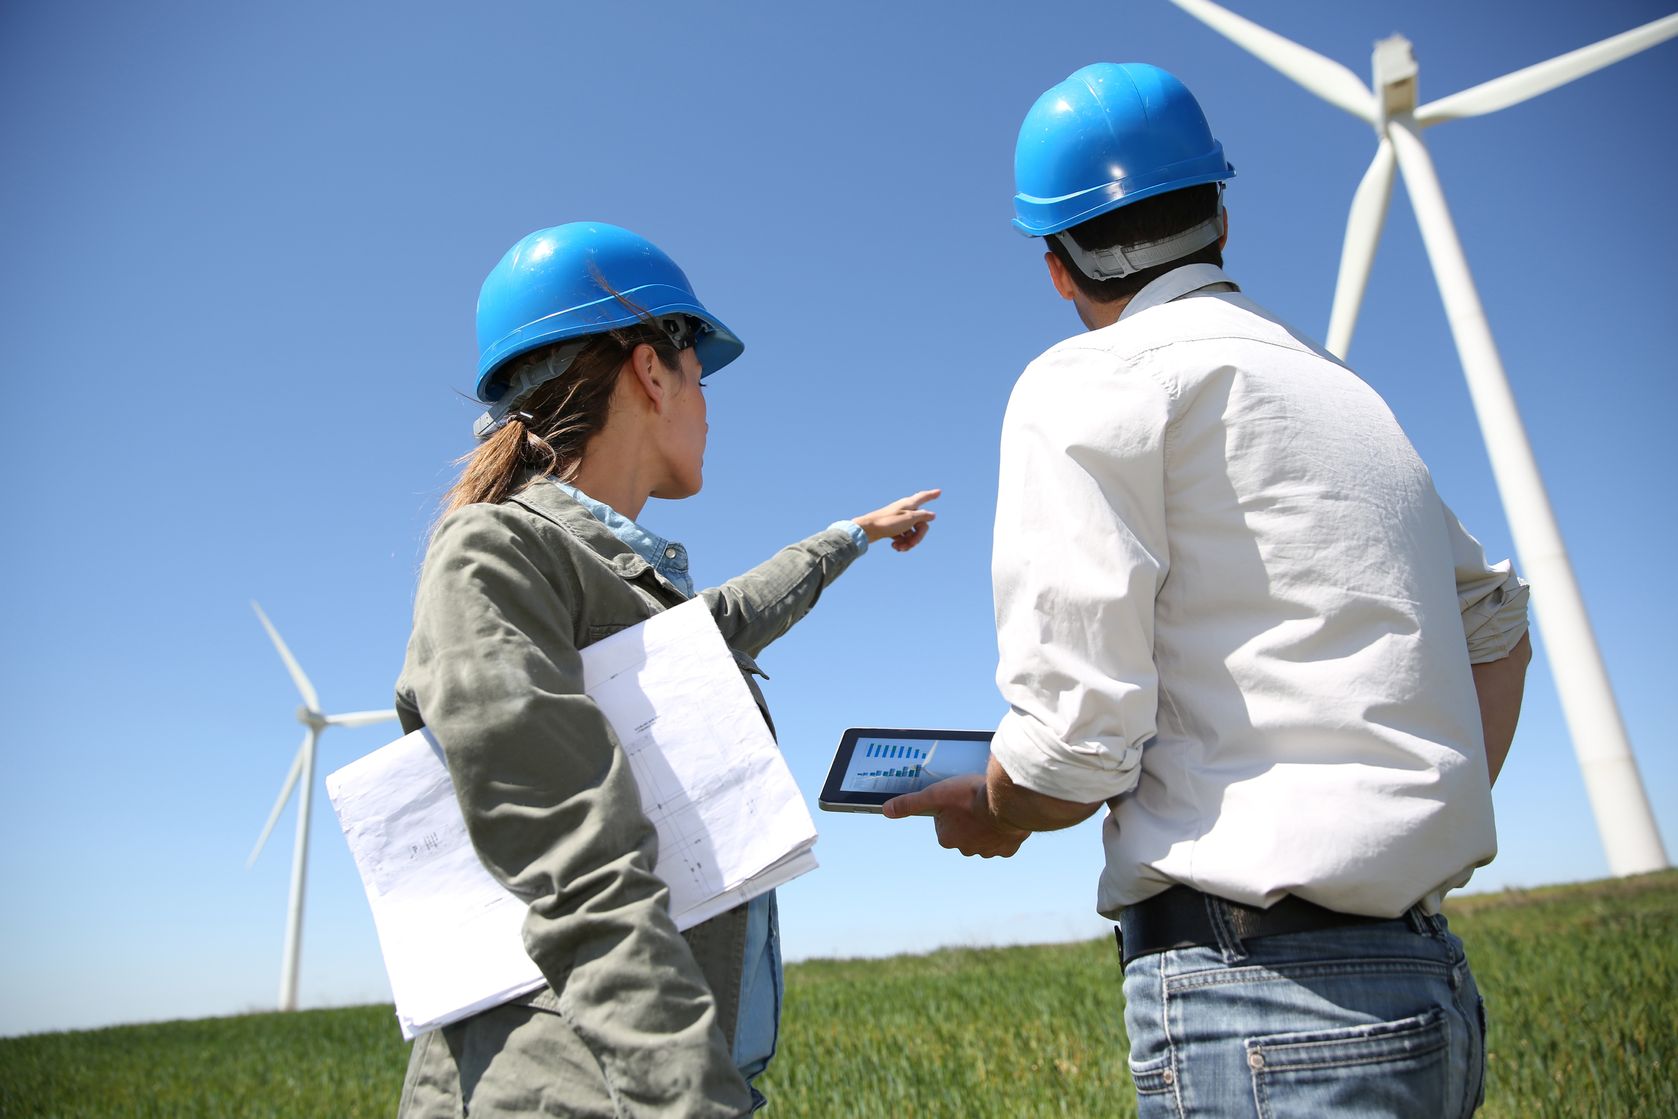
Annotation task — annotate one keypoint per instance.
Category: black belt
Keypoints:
(1186, 918)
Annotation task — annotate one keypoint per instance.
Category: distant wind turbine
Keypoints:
(1623, 816)
(302, 767)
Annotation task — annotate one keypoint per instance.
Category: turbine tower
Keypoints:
(302, 769)
(1621, 808)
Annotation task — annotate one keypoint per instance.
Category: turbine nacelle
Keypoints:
(1395, 69)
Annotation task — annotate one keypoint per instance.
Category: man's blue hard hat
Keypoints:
(1111, 134)
(559, 283)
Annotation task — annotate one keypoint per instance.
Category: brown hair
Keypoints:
(550, 428)
(1151, 219)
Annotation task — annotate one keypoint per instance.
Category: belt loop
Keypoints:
(1229, 943)
(1420, 922)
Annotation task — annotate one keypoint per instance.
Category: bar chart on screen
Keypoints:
(880, 766)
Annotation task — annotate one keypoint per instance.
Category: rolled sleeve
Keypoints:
(1492, 598)
(1079, 556)
(1081, 772)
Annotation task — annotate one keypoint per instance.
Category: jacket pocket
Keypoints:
(542, 998)
(747, 664)
(749, 670)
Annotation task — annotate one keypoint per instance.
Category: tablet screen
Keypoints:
(873, 764)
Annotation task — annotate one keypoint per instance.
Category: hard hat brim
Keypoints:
(715, 349)
(1038, 217)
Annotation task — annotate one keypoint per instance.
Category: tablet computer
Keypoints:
(873, 764)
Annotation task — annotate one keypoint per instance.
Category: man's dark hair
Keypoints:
(1151, 219)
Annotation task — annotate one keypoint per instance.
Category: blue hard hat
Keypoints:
(1110, 134)
(558, 283)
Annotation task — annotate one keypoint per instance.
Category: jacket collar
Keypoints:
(552, 504)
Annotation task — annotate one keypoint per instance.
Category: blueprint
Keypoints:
(730, 819)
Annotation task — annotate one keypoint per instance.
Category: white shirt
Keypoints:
(1230, 603)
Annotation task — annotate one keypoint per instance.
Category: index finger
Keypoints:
(915, 501)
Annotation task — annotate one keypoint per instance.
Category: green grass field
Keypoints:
(1581, 981)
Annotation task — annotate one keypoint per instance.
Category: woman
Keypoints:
(593, 346)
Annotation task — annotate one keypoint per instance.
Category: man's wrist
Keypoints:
(1015, 809)
(986, 806)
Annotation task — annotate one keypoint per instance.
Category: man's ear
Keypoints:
(1223, 240)
(648, 379)
(1065, 285)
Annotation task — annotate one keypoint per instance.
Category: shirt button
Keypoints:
(1255, 1060)
(670, 553)
(1168, 1076)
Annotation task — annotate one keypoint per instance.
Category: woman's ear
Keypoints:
(648, 377)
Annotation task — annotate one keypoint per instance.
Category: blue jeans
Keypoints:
(1381, 1019)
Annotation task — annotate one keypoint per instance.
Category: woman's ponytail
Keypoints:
(549, 432)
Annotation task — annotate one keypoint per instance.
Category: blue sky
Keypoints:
(239, 252)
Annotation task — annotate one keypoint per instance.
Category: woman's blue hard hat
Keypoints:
(579, 279)
(1111, 134)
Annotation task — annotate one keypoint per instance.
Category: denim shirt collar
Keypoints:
(667, 557)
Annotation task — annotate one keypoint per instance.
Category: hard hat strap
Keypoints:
(683, 330)
(1118, 261)
(526, 379)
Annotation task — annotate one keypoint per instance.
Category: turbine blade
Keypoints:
(1322, 76)
(360, 718)
(1357, 257)
(279, 804)
(303, 686)
(1511, 89)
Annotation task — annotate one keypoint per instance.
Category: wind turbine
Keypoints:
(302, 768)
(1621, 808)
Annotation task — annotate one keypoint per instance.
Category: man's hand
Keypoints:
(960, 806)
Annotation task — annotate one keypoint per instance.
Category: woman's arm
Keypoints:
(754, 609)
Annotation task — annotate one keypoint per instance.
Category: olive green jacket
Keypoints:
(508, 595)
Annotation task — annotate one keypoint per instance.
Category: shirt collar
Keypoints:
(1174, 285)
(667, 557)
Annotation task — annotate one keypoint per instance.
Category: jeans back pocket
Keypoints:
(1383, 1068)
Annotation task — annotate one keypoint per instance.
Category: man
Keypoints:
(1231, 607)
